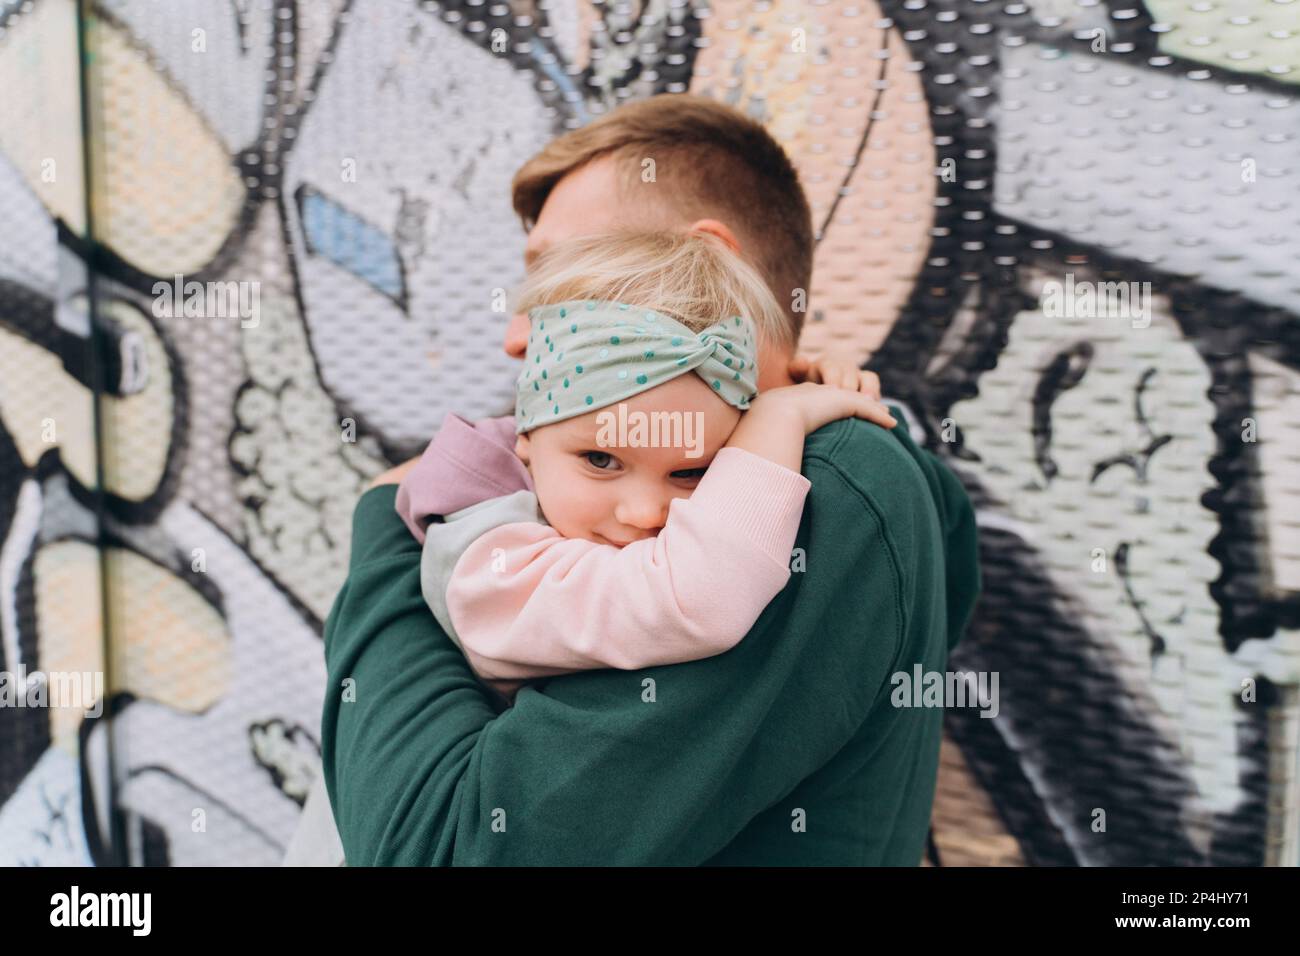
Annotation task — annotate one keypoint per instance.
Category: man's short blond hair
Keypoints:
(710, 161)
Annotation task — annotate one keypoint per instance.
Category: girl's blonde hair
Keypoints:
(694, 277)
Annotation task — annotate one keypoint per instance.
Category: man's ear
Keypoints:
(521, 448)
(717, 228)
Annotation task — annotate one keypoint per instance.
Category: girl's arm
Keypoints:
(526, 602)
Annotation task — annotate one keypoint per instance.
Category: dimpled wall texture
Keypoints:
(176, 485)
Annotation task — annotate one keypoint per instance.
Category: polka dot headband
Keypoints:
(585, 354)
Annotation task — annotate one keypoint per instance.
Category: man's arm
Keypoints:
(657, 766)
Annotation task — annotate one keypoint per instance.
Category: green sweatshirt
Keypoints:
(784, 751)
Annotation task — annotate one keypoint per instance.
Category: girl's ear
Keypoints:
(521, 448)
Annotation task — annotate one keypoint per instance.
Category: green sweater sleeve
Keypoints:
(662, 766)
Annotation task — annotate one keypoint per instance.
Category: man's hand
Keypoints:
(840, 373)
(393, 476)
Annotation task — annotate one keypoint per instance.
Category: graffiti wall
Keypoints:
(1064, 233)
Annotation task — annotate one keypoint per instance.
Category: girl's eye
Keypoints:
(601, 459)
(690, 473)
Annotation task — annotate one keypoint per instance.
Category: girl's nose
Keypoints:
(647, 512)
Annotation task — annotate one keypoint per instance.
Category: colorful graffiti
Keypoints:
(176, 489)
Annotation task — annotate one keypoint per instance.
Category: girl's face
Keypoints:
(590, 486)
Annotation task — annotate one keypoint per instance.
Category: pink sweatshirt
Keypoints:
(466, 463)
(526, 602)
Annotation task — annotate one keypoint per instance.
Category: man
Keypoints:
(785, 750)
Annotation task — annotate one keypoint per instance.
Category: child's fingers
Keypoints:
(842, 377)
(873, 411)
(847, 375)
(832, 374)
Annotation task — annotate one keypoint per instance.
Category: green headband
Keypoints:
(585, 354)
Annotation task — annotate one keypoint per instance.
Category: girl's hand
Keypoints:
(813, 406)
(840, 373)
(779, 419)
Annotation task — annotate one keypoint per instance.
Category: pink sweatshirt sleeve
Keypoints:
(544, 604)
